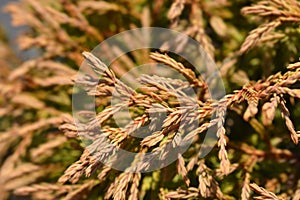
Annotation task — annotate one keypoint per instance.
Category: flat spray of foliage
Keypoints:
(256, 47)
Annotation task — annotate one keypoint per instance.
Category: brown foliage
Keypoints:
(35, 103)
